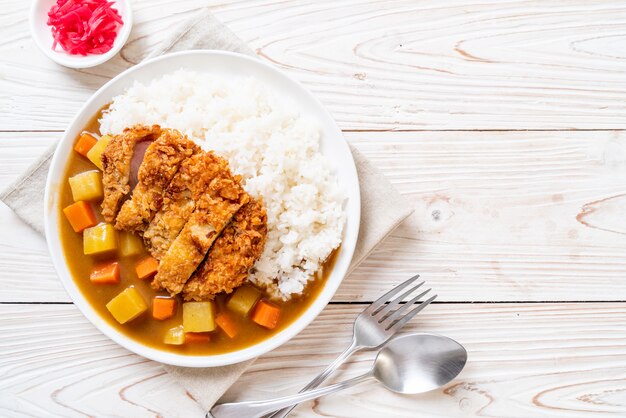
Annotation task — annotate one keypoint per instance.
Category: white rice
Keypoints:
(266, 141)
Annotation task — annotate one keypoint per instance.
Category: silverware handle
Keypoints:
(255, 409)
(321, 377)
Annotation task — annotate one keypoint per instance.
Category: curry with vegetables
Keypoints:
(159, 236)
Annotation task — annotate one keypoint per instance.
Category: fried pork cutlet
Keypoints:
(117, 161)
(232, 255)
(214, 210)
(179, 201)
(160, 163)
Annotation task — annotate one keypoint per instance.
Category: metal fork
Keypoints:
(374, 327)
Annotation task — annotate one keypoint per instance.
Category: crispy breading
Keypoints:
(161, 162)
(179, 201)
(232, 255)
(116, 162)
(214, 210)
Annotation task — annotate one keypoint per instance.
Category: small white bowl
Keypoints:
(42, 34)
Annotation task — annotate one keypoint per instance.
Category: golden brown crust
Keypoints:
(214, 210)
(179, 200)
(116, 162)
(232, 255)
(161, 162)
(186, 203)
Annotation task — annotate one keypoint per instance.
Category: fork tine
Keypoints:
(406, 318)
(384, 298)
(402, 309)
(384, 309)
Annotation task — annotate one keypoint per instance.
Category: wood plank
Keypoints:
(25, 267)
(499, 216)
(519, 216)
(377, 65)
(54, 363)
(19, 150)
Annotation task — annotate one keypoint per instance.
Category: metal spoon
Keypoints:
(411, 364)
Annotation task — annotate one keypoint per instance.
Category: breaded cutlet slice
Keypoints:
(232, 255)
(214, 210)
(179, 201)
(116, 163)
(160, 163)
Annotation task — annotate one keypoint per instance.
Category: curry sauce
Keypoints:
(145, 329)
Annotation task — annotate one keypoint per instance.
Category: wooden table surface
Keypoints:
(502, 123)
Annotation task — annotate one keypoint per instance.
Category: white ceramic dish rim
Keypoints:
(349, 180)
(40, 32)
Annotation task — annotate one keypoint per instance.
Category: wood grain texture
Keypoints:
(377, 65)
(18, 150)
(499, 216)
(54, 363)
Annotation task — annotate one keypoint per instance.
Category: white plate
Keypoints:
(333, 146)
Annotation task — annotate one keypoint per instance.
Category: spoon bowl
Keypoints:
(411, 364)
(418, 363)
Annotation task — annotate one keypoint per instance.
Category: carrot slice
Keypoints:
(163, 307)
(84, 144)
(147, 267)
(107, 273)
(227, 324)
(80, 215)
(197, 337)
(266, 314)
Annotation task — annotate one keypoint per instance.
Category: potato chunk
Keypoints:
(198, 316)
(95, 153)
(129, 244)
(127, 306)
(86, 186)
(243, 300)
(99, 239)
(175, 336)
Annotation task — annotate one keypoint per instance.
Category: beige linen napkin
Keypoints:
(382, 208)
